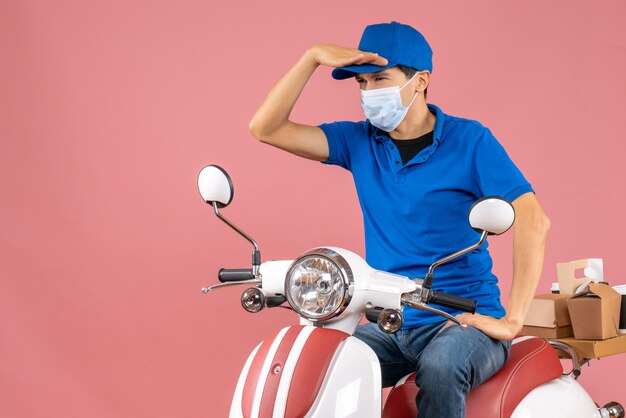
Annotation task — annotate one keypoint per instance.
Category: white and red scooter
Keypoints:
(318, 369)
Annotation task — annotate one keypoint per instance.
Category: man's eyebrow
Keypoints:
(374, 74)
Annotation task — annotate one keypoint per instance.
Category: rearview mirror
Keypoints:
(493, 215)
(215, 186)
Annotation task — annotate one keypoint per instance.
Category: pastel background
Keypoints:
(108, 110)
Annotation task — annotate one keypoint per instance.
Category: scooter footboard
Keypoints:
(305, 371)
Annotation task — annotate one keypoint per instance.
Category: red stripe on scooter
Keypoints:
(252, 379)
(311, 370)
(276, 371)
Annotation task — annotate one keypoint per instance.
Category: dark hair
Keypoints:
(408, 73)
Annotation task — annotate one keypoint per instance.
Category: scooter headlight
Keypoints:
(319, 284)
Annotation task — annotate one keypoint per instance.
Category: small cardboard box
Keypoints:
(595, 314)
(548, 317)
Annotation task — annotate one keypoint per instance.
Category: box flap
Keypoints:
(603, 291)
(598, 290)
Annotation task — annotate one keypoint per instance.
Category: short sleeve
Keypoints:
(495, 172)
(337, 134)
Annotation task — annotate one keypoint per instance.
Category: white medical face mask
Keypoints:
(383, 107)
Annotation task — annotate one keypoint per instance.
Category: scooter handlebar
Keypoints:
(234, 275)
(454, 302)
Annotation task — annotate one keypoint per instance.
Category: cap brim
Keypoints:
(342, 73)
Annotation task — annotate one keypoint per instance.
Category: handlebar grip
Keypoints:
(373, 314)
(234, 275)
(454, 302)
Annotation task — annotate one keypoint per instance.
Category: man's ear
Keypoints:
(423, 80)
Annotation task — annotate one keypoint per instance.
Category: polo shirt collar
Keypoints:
(382, 137)
(441, 120)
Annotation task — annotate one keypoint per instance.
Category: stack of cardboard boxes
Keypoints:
(585, 313)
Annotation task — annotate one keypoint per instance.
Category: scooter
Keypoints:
(318, 369)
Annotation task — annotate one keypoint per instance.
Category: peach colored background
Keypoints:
(108, 109)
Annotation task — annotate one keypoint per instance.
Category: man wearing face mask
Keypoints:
(417, 171)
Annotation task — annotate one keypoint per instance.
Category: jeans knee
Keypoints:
(441, 374)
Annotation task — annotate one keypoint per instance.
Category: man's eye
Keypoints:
(380, 78)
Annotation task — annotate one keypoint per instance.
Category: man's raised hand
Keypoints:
(338, 56)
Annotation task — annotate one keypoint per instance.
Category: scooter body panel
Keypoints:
(562, 397)
(351, 387)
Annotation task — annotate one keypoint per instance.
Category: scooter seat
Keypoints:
(531, 363)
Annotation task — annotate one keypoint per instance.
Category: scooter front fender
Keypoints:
(306, 371)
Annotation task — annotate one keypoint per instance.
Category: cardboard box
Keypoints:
(548, 317)
(542, 332)
(588, 349)
(621, 289)
(595, 315)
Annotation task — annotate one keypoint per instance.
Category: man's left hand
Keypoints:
(500, 329)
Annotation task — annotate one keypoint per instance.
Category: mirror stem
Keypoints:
(428, 280)
(256, 254)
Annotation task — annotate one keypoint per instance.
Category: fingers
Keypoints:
(474, 320)
(447, 325)
(492, 327)
(378, 60)
(338, 56)
(370, 58)
(355, 60)
(465, 317)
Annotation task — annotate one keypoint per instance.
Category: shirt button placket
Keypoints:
(394, 156)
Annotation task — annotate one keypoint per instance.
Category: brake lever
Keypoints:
(413, 302)
(206, 290)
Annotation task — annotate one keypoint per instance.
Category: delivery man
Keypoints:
(417, 171)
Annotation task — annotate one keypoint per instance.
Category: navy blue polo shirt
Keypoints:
(415, 214)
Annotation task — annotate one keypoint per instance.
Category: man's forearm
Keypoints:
(277, 106)
(529, 242)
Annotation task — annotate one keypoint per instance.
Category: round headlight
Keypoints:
(319, 284)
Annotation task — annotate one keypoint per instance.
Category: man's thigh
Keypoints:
(469, 354)
(397, 353)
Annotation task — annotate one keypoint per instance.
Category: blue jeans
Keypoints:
(448, 363)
